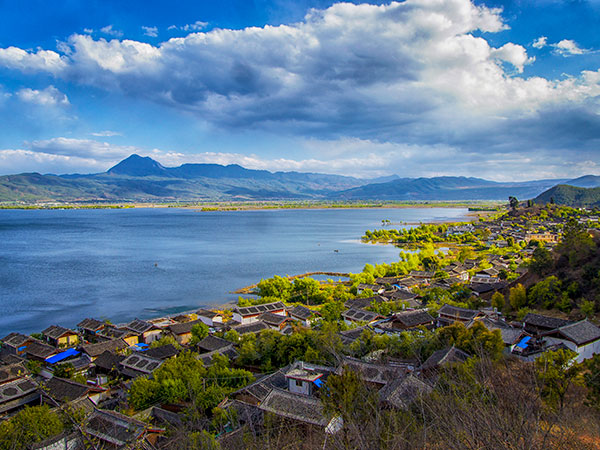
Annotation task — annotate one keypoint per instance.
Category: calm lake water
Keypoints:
(58, 267)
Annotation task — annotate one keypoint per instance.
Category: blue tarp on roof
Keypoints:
(523, 342)
(318, 382)
(61, 356)
(141, 347)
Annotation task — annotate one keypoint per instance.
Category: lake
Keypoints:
(60, 266)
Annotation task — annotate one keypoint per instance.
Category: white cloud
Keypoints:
(540, 42)
(82, 148)
(513, 54)
(150, 31)
(111, 31)
(45, 97)
(568, 47)
(416, 73)
(41, 60)
(106, 133)
(196, 26)
(88, 30)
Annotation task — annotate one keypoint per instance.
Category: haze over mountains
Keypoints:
(143, 179)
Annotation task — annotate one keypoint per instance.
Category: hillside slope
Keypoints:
(570, 196)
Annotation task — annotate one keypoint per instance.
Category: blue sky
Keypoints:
(505, 90)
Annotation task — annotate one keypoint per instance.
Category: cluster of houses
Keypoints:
(109, 357)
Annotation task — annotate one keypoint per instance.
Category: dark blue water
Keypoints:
(58, 267)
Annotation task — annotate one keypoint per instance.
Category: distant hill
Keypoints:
(143, 179)
(570, 196)
(445, 188)
(587, 181)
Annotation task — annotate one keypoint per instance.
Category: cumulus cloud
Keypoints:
(82, 148)
(417, 73)
(111, 31)
(45, 97)
(540, 42)
(568, 47)
(150, 31)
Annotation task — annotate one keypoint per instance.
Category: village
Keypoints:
(499, 288)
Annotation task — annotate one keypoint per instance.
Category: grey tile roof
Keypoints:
(139, 326)
(402, 392)
(94, 350)
(183, 328)
(349, 336)
(302, 312)
(580, 333)
(63, 390)
(358, 303)
(55, 331)
(272, 319)
(141, 363)
(294, 406)
(457, 313)
(40, 350)
(16, 340)
(114, 428)
(259, 309)
(163, 352)
(539, 321)
(371, 372)
(16, 389)
(12, 372)
(360, 315)
(211, 343)
(91, 324)
(413, 318)
(445, 356)
(207, 313)
(108, 360)
(254, 327)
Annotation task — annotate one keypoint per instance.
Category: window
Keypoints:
(299, 383)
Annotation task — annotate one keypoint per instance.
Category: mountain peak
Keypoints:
(138, 166)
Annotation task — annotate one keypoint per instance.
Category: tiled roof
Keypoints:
(402, 392)
(358, 303)
(40, 350)
(91, 324)
(114, 428)
(16, 339)
(12, 372)
(294, 406)
(183, 328)
(302, 312)
(457, 312)
(445, 356)
(254, 327)
(207, 313)
(537, 320)
(413, 318)
(163, 352)
(349, 336)
(16, 389)
(139, 326)
(55, 331)
(371, 372)
(64, 390)
(581, 332)
(139, 362)
(94, 350)
(115, 333)
(230, 352)
(211, 343)
(259, 309)
(360, 315)
(272, 319)
(108, 360)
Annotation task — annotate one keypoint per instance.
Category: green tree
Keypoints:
(199, 332)
(547, 292)
(513, 202)
(31, 425)
(517, 297)
(592, 381)
(588, 308)
(498, 301)
(541, 261)
(556, 372)
(576, 243)
(278, 287)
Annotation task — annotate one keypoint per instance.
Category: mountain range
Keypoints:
(143, 179)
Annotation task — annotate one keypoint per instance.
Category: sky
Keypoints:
(503, 90)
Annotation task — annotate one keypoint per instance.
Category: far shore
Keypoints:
(478, 207)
